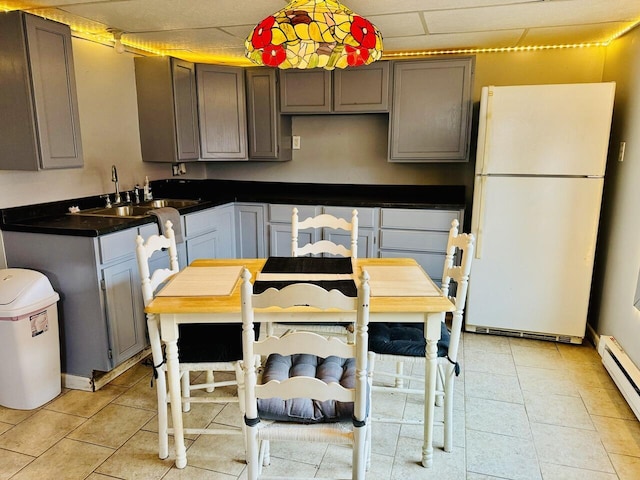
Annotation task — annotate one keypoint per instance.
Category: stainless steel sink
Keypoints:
(136, 211)
(128, 211)
(169, 202)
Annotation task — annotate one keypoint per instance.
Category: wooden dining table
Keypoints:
(208, 291)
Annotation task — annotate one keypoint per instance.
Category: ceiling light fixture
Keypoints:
(117, 39)
(314, 34)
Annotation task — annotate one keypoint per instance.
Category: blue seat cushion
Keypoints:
(306, 410)
(404, 339)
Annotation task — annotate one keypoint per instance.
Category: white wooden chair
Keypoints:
(190, 343)
(292, 377)
(324, 246)
(405, 343)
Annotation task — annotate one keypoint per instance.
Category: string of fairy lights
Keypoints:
(96, 32)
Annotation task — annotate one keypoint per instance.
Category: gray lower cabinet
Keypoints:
(280, 228)
(421, 234)
(250, 230)
(222, 112)
(39, 117)
(101, 312)
(167, 109)
(210, 233)
(367, 229)
(269, 133)
(102, 318)
(431, 114)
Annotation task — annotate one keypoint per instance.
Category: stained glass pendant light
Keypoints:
(314, 34)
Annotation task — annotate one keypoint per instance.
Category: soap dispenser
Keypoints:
(147, 189)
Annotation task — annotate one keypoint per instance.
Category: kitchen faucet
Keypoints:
(114, 179)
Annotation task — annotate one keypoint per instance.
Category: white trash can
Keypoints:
(29, 342)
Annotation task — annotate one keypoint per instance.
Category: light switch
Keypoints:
(295, 142)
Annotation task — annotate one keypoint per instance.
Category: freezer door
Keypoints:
(534, 253)
(545, 129)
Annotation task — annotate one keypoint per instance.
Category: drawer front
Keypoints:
(282, 213)
(199, 222)
(414, 240)
(418, 219)
(366, 216)
(117, 245)
(432, 263)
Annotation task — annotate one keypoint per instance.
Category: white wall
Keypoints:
(618, 259)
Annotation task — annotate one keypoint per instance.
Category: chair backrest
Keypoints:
(144, 251)
(310, 297)
(457, 267)
(324, 246)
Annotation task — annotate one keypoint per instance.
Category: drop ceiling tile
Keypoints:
(531, 15)
(398, 25)
(190, 39)
(499, 39)
(378, 7)
(157, 15)
(573, 34)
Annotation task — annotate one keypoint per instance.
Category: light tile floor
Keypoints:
(525, 410)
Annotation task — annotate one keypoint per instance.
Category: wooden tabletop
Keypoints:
(231, 303)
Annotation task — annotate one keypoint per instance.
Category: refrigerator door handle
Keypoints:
(483, 154)
(477, 217)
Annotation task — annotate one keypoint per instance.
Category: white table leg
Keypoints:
(432, 335)
(169, 334)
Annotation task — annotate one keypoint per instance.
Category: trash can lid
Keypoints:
(22, 289)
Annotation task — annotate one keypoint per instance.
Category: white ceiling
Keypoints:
(214, 30)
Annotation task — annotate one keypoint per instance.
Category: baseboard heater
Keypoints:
(550, 337)
(623, 371)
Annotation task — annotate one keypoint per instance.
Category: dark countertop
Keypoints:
(53, 217)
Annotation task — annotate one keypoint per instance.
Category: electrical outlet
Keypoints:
(295, 144)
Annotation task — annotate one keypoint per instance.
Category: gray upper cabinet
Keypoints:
(362, 89)
(269, 133)
(222, 112)
(431, 114)
(167, 109)
(352, 90)
(305, 91)
(38, 101)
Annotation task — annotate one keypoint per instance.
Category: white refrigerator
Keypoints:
(540, 165)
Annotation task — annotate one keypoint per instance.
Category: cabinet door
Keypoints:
(125, 316)
(305, 91)
(431, 114)
(186, 109)
(280, 239)
(250, 231)
(222, 112)
(54, 93)
(367, 228)
(366, 241)
(38, 102)
(269, 132)
(421, 234)
(167, 109)
(362, 89)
